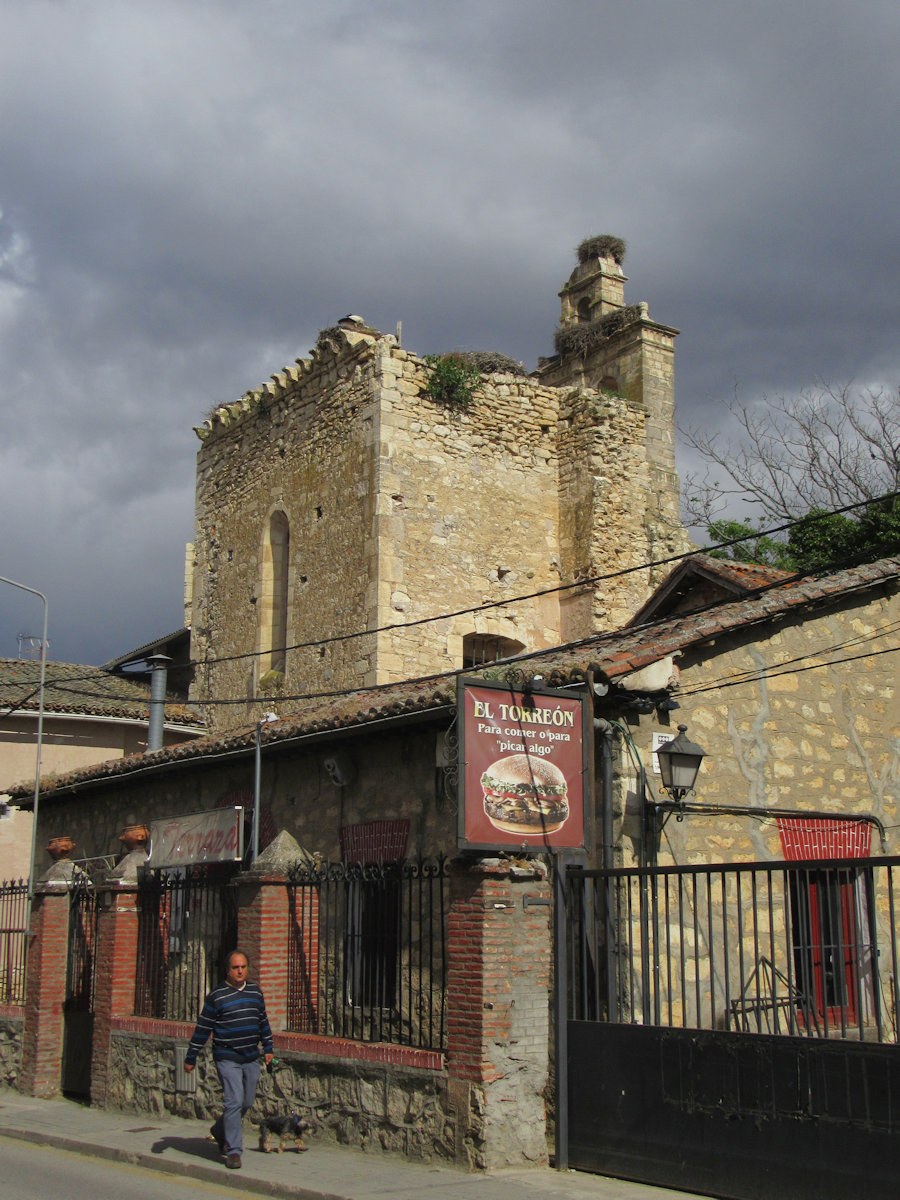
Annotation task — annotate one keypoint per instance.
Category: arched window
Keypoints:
(273, 613)
(481, 648)
(584, 310)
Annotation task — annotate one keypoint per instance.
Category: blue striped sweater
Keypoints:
(236, 1018)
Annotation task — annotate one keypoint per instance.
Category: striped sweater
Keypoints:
(236, 1018)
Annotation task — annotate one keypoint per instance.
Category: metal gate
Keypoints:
(733, 1030)
(78, 1008)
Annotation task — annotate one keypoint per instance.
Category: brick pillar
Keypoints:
(115, 969)
(45, 984)
(498, 1011)
(264, 933)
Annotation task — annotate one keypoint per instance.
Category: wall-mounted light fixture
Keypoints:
(679, 764)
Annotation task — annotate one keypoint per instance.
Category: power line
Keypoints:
(774, 672)
(593, 639)
(565, 587)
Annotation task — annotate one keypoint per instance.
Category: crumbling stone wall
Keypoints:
(10, 1050)
(303, 447)
(401, 508)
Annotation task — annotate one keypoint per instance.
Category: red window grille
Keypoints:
(829, 915)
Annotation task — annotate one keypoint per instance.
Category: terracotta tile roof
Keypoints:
(170, 643)
(615, 654)
(748, 575)
(82, 690)
(637, 646)
(708, 577)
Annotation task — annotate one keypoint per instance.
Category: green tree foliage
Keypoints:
(821, 541)
(799, 459)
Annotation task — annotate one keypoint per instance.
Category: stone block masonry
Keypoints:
(340, 507)
(11, 1021)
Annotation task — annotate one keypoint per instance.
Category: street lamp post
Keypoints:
(40, 736)
(265, 720)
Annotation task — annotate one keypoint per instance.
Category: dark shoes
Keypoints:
(233, 1162)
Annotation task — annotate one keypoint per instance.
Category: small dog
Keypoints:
(286, 1129)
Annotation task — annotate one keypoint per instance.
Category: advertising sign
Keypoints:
(203, 837)
(525, 769)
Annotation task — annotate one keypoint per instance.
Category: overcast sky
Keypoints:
(191, 189)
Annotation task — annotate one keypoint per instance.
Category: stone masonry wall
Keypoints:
(401, 509)
(394, 777)
(10, 1048)
(467, 515)
(303, 447)
(785, 723)
(365, 1104)
(604, 479)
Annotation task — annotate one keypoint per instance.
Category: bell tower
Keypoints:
(596, 287)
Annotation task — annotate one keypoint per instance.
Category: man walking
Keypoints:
(235, 1014)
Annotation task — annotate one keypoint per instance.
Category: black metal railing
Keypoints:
(368, 955)
(808, 949)
(187, 924)
(13, 918)
(81, 951)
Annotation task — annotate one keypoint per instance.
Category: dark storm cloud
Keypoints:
(189, 191)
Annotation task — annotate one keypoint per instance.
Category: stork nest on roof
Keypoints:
(604, 245)
(580, 337)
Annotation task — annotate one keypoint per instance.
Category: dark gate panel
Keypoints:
(729, 1115)
(78, 1009)
(733, 1028)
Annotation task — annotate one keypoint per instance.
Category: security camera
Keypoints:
(340, 769)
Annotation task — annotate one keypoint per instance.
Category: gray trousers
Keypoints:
(239, 1082)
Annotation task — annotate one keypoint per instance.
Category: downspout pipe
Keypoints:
(158, 664)
(605, 731)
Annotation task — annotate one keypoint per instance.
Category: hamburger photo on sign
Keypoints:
(525, 796)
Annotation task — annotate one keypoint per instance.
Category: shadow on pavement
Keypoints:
(199, 1147)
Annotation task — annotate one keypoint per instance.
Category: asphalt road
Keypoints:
(33, 1172)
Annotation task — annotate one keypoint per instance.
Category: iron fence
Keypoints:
(13, 917)
(187, 924)
(807, 949)
(81, 951)
(368, 955)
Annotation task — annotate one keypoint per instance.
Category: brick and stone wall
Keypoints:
(499, 1011)
(480, 1101)
(360, 1101)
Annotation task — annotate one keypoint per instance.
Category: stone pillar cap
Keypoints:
(282, 853)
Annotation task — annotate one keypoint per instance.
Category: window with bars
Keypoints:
(482, 648)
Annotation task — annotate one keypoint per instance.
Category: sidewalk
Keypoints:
(324, 1172)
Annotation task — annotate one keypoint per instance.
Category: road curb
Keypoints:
(237, 1180)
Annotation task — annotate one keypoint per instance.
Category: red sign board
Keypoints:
(525, 766)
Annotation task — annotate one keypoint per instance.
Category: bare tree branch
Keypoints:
(825, 448)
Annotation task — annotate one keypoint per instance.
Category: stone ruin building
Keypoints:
(343, 496)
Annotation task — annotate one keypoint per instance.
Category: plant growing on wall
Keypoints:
(451, 380)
